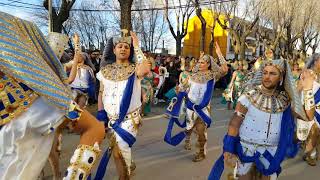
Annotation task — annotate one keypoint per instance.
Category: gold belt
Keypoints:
(130, 116)
(257, 144)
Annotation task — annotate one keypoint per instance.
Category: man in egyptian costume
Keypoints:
(261, 131)
(35, 100)
(196, 97)
(119, 100)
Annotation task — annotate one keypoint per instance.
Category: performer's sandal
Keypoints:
(311, 161)
(187, 145)
(199, 156)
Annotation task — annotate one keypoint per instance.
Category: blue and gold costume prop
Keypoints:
(34, 101)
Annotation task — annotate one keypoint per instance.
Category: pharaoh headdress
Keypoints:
(288, 82)
(108, 55)
(209, 59)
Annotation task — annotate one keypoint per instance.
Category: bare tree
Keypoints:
(59, 16)
(290, 20)
(92, 26)
(203, 25)
(182, 15)
(239, 26)
(315, 44)
(310, 32)
(149, 24)
(215, 14)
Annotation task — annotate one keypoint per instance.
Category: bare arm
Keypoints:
(231, 159)
(74, 69)
(306, 83)
(234, 75)
(144, 65)
(236, 120)
(100, 103)
(76, 59)
(223, 63)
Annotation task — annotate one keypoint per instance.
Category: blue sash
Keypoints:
(126, 136)
(317, 100)
(174, 112)
(286, 148)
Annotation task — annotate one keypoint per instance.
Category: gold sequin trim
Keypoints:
(118, 72)
(268, 103)
(202, 77)
(79, 165)
(23, 100)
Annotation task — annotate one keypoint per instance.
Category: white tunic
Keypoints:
(196, 91)
(196, 95)
(82, 78)
(113, 92)
(258, 126)
(258, 130)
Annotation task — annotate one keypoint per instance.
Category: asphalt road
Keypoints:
(157, 160)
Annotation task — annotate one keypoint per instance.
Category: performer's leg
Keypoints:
(190, 125)
(202, 139)
(120, 164)
(311, 144)
(144, 100)
(122, 152)
(246, 177)
(91, 130)
(187, 145)
(86, 155)
(54, 158)
(250, 175)
(229, 105)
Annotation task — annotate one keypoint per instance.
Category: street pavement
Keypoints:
(157, 160)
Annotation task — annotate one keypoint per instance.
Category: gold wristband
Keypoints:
(239, 114)
(308, 94)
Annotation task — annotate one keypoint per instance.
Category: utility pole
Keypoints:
(50, 15)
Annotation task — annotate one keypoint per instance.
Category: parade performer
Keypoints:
(119, 101)
(147, 84)
(162, 71)
(197, 99)
(234, 89)
(261, 132)
(184, 75)
(310, 131)
(83, 85)
(35, 100)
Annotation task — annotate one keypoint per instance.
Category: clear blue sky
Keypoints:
(25, 11)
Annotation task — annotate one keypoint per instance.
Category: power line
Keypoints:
(18, 6)
(19, 2)
(39, 7)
